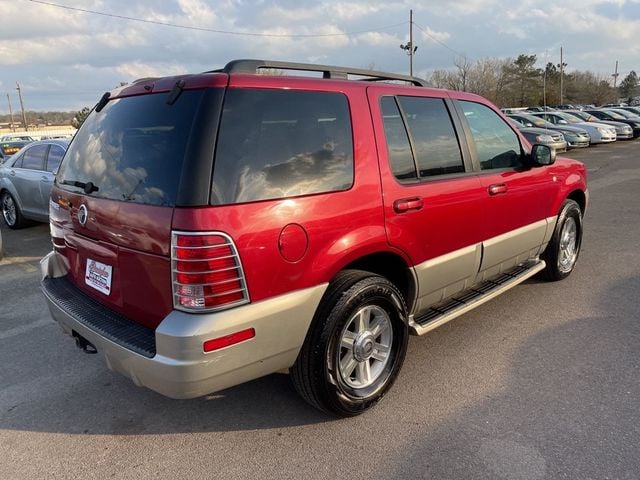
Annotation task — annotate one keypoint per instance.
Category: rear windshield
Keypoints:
(132, 150)
(282, 143)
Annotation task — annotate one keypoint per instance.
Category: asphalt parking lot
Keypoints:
(541, 383)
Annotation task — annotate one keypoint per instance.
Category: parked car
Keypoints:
(612, 115)
(565, 106)
(599, 133)
(623, 131)
(16, 137)
(575, 137)
(626, 113)
(635, 110)
(539, 109)
(10, 148)
(302, 223)
(541, 136)
(26, 180)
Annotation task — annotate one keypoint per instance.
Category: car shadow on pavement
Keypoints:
(567, 407)
(98, 401)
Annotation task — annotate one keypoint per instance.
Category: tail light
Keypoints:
(206, 272)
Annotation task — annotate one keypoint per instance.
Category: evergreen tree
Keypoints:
(629, 84)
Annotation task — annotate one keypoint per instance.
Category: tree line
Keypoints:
(40, 118)
(519, 83)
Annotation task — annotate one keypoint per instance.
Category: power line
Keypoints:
(439, 41)
(211, 30)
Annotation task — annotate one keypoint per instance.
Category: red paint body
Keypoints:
(340, 227)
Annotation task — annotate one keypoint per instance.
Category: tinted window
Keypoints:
(398, 146)
(133, 149)
(434, 139)
(496, 143)
(56, 152)
(282, 143)
(33, 157)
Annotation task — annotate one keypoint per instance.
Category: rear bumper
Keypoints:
(177, 366)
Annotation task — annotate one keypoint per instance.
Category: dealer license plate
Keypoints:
(98, 276)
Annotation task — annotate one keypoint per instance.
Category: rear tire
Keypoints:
(355, 346)
(11, 211)
(562, 252)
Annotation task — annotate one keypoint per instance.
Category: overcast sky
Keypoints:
(66, 59)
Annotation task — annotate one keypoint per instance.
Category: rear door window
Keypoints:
(56, 152)
(133, 149)
(421, 139)
(398, 146)
(434, 138)
(282, 143)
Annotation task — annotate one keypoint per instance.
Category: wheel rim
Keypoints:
(365, 347)
(568, 251)
(8, 210)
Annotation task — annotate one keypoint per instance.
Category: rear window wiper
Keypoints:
(88, 187)
(175, 92)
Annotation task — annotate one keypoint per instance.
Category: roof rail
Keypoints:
(251, 66)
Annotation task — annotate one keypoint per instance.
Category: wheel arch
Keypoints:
(579, 197)
(8, 187)
(391, 266)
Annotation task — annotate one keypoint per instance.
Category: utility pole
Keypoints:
(615, 76)
(13, 129)
(24, 116)
(561, 76)
(409, 48)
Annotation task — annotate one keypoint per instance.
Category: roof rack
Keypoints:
(251, 66)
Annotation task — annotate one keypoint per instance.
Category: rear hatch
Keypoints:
(115, 194)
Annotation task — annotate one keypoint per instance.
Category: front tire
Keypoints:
(355, 346)
(562, 252)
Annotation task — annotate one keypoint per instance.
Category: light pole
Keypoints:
(561, 65)
(615, 76)
(24, 116)
(409, 48)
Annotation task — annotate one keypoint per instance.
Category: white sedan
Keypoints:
(599, 132)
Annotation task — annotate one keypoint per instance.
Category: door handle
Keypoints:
(12, 173)
(45, 180)
(498, 189)
(406, 204)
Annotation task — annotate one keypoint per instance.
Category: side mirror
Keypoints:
(542, 155)
(563, 122)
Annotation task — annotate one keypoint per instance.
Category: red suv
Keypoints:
(210, 229)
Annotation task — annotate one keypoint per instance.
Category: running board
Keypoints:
(474, 297)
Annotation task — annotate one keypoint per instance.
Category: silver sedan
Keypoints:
(26, 180)
(599, 132)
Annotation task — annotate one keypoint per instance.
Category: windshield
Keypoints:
(582, 116)
(614, 115)
(538, 122)
(626, 114)
(132, 150)
(569, 118)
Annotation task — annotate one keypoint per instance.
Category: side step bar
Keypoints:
(472, 298)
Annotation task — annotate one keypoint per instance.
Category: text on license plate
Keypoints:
(98, 276)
